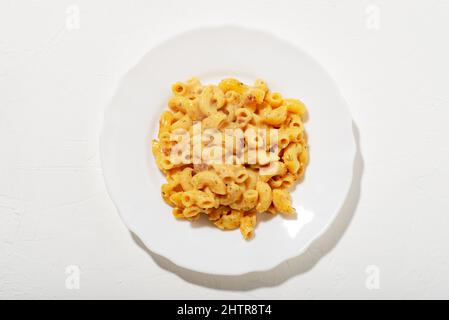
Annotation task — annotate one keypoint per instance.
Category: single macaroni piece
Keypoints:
(230, 152)
(282, 201)
(247, 224)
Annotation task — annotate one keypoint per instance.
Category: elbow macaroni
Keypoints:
(230, 194)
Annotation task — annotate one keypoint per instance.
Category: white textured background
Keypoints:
(54, 209)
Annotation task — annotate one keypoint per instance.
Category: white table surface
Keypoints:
(59, 63)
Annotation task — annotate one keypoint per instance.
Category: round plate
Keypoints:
(133, 180)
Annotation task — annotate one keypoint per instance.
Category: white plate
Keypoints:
(133, 180)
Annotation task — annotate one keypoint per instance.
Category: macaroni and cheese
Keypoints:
(230, 151)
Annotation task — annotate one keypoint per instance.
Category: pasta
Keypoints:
(230, 152)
